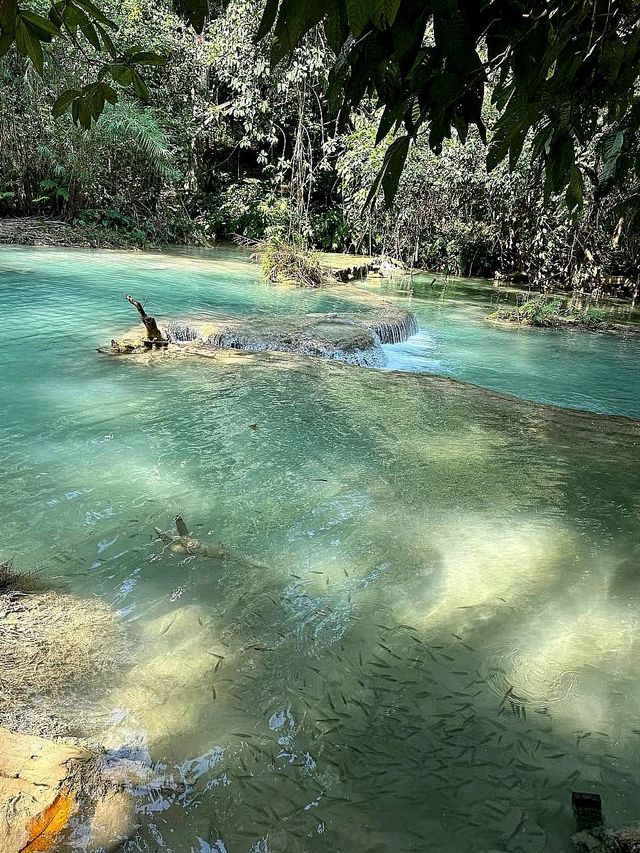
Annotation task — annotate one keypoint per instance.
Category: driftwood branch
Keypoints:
(153, 332)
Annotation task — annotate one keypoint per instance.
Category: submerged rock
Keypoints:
(51, 792)
(601, 840)
(351, 337)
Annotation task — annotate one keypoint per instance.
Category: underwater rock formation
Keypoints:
(601, 840)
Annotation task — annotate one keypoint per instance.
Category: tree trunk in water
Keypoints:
(153, 332)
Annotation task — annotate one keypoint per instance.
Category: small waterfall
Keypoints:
(180, 332)
(395, 329)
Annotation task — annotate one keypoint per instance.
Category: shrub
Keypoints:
(551, 312)
(284, 261)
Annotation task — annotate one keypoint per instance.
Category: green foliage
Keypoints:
(551, 312)
(449, 215)
(91, 33)
(219, 141)
(560, 73)
(250, 209)
(290, 263)
(556, 69)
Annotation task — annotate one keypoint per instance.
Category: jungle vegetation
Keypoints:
(475, 138)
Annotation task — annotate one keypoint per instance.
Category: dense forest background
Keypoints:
(227, 145)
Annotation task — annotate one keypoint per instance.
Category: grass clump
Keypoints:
(291, 262)
(53, 647)
(14, 581)
(551, 312)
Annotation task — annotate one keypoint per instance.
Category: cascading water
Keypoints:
(179, 331)
(329, 335)
(395, 331)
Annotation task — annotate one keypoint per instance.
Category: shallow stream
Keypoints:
(429, 637)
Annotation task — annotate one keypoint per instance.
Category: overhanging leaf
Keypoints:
(268, 19)
(6, 40)
(43, 24)
(357, 15)
(389, 175)
(64, 101)
(148, 57)
(96, 13)
(29, 45)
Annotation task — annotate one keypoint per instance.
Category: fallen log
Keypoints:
(186, 543)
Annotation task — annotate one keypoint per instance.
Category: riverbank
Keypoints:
(38, 231)
(345, 268)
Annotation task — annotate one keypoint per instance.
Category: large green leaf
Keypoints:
(574, 196)
(64, 101)
(268, 18)
(391, 10)
(107, 41)
(29, 45)
(42, 25)
(148, 57)
(295, 19)
(611, 149)
(8, 11)
(140, 87)
(96, 13)
(389, 175)
(559, 164)
(122, 74)
(6, 40)
(357, 15)
(89, 32)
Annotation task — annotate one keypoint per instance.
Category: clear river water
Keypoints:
(429, 637)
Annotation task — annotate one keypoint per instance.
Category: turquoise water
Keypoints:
(433, 638)
(583, 370)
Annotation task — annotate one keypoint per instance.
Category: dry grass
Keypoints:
(50, 643)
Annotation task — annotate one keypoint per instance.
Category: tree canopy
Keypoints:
(565, 71)
(229, 132)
